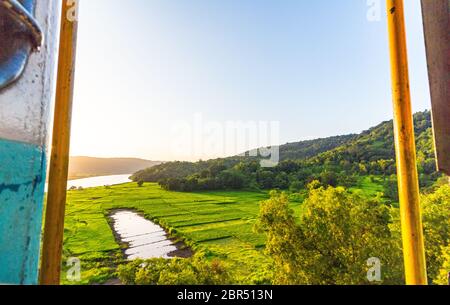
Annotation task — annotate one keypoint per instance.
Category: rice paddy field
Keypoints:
(220, 224)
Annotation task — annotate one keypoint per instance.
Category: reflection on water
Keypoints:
(144, 238)
(96, 181)
(99, 181)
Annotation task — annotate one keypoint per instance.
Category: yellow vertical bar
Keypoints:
(412, 231)
(56, 198)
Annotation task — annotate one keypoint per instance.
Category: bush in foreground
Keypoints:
(332, 243)
(338, 232)
(190, 271)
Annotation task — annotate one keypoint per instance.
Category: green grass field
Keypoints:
(369, 186)
(217, 223)
(220, 223)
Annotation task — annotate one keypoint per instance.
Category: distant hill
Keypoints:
(377, 144)
(82, 167)
(368, 153)
(374, 144)
(292, 151)
(306, 149)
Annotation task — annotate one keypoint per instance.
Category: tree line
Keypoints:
(336, 161)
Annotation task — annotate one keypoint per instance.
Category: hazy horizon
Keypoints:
(300, 140)
(162, 80)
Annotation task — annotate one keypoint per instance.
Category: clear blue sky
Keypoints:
(318, 67)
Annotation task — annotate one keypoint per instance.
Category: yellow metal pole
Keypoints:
(56, 198)
(412, 230)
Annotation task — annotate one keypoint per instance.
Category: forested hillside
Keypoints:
(307, 149)
(335, 161)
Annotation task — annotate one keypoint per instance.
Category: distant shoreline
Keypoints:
(91, 167)
(75, 178)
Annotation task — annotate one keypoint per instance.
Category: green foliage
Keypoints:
(277, 220)
(96, 267)
(436, 226)
(390, 185)
(338, 232)
(181, 170)
(436, 222)
(265, 179)
(169, 170)
(296, 186)
(443, 277)
(335, 161)
(192, 271)
(307, 149)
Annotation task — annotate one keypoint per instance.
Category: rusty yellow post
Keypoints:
(412, 231)
(56, 197)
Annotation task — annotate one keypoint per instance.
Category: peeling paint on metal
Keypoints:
(24, 120)
(22, 181)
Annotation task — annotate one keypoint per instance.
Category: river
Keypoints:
(96, 181)
(99, 181)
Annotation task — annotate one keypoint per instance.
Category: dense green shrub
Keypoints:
(444, 273)
(178, 271)
(436, 226)
(336, 236)
(339, 231)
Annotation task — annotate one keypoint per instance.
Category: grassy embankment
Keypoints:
(219, 223)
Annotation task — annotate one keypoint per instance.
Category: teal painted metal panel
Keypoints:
(22, 182)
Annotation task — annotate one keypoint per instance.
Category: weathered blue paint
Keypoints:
(22, 182)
